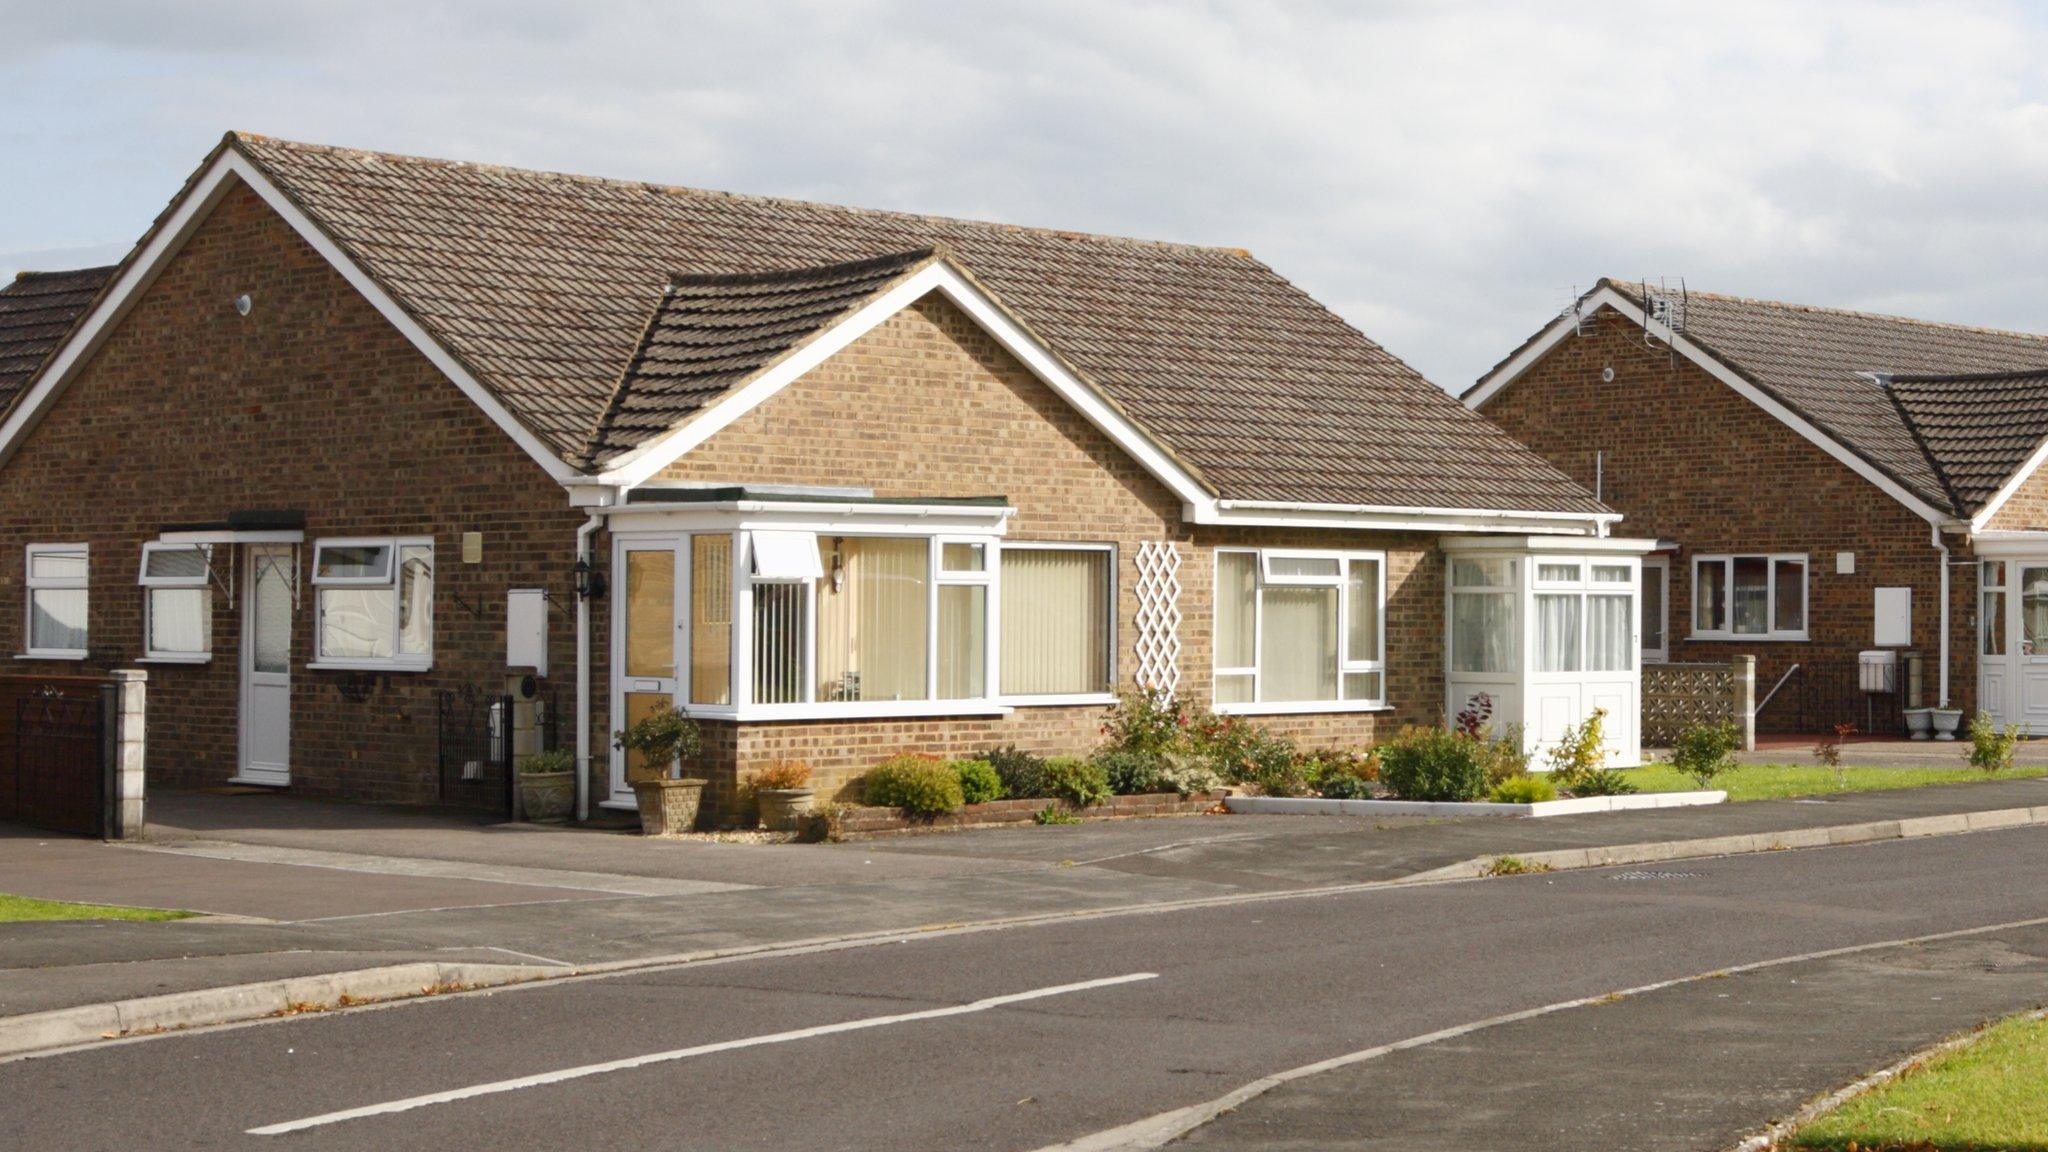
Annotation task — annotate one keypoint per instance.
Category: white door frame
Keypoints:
(257, 690)
(621, 793)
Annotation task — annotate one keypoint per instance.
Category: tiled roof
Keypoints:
(36, 310)
(712, 333)
(1814, 359)
(544, 285)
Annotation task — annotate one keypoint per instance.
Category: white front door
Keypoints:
(1996, 625)
(2029, 692)
(266, 755)
(644, 644)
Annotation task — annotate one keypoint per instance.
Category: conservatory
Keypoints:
(1542, 631)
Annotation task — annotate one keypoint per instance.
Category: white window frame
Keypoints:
(152, 584)
(31, 584)
(399, 660)
(1108, 694)
(1773, 633)
(1345, 664)
(1662, 653)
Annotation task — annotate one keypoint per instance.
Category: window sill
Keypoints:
(1300, 708)
(176, 658)
(51, 656)
(366, 666)
(1751, 637)
(1051, 700)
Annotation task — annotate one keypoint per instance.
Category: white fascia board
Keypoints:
(645, 463)
(1507, 373)
(1276, 515)
(1618, 545)
(2010, 543)
(170, 238)
(827, 519)
(2012, 485)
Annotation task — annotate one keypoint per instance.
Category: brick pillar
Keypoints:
(1742, 698)
(130, 722)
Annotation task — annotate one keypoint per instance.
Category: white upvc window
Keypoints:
(57, 600)
(1485, 638)
(374, 604)
(1750, 596)
(1655, 622)
(177, 602)
(1299, 630)
(1058, 614)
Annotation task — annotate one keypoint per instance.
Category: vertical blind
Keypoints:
(1055, 621)
(872, 630)
(711, 618)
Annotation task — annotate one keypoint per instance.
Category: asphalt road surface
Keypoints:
(1010, 1039)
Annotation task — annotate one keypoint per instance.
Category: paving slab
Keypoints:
(1698, 1065)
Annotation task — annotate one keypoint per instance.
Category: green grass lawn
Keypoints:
(1774, 781)
(1992, 1093)
(14, 908)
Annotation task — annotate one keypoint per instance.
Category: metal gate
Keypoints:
(55, 756)
(476, 746)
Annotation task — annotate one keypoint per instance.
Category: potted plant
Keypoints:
(547, 785)
(1946, 721)
(782, 792)
(668, 802)
(1919, 722)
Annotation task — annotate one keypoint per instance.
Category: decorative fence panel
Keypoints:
(1676, 696)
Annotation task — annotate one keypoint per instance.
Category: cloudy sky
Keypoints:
(1442, 174)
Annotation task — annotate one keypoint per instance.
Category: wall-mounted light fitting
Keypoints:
(243, 304)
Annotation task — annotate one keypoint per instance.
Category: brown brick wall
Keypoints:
(928, 404)
(312, 402)
(2026, 509)
(1686, 458)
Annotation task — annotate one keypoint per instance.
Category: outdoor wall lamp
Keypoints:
(590, 582)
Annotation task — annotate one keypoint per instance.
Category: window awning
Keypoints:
(246, 527)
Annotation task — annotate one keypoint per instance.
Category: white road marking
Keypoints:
(557, 1077)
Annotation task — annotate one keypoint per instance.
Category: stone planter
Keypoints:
(783, 808)
(547, 797)
(1946, 721)
(668, 807)
(1920, 722)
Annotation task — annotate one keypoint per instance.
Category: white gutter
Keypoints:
(1412, 510)
(583, 536)
(1934, 531)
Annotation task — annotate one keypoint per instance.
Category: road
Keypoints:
(894, 1046)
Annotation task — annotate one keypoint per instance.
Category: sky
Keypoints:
(1442, 175)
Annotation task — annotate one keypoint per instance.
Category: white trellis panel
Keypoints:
(1158, 644)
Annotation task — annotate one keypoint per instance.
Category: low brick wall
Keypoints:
(884, 821)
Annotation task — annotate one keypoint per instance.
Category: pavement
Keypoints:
(1878, 752)
(1058, 1032)
(302, 888)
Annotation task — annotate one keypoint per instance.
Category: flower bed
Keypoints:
(872, 821)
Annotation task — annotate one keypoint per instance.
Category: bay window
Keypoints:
(374, 604)
(1298, 630)
(57, 600)
(1751, 595)
(177, 604)
(1058, 613)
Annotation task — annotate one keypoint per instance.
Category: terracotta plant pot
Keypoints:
(668, 807)
(547, 797)
(783, 808)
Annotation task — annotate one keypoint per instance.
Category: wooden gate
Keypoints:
(54, 754)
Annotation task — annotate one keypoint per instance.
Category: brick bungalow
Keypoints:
(349, 430)
(1822, 483)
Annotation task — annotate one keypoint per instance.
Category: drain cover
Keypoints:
(1652, 874)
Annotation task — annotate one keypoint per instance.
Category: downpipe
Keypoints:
(1934, 532)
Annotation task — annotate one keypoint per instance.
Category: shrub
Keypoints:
(1513, 866)
(1187, 773)
(1080, 782)
(1505, 758)
(915, 782)
(1990, 749)
(1344, 788)
(1475, 718)
(1227, 741)
(782, 775)
(1523, 789)
(824, 824)
(1054, 814)
(1148, 721)
(1022, 773)
(1603, 782)
(662, 738)
(1579, 751)
(556, 760)
(979, 783)
(1248, 754)
(1129, 771)
(1704, 751)
(1433, 764)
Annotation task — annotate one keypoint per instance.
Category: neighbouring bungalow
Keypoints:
(1823, 484)
(349, 433)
